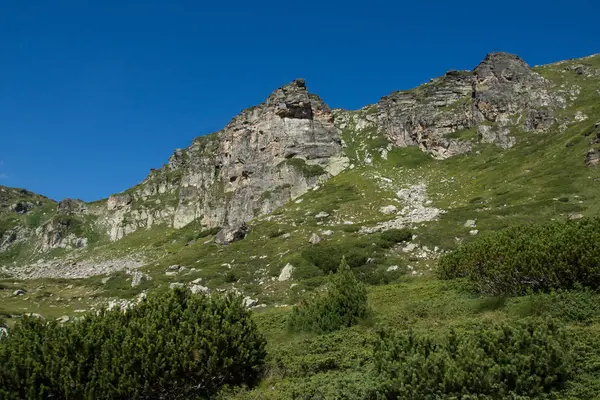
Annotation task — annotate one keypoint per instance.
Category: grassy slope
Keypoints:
(542, 177)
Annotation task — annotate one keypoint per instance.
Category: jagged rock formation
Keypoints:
(500, 94)
(264, 157)
(71, 206)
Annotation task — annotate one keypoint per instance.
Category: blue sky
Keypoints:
(95, 93)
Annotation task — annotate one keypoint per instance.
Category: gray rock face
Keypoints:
(56, 233)
(71, 206)
(501, 93)
(266, 156)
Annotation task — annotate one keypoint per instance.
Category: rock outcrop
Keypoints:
(445, 116)
(266, 156)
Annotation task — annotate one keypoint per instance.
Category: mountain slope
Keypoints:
(498, 145)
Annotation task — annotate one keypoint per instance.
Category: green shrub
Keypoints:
(344, 304)
(176, 345)
(391, 237)
(580, 306)
(491, 362)
(530, 257)
(328, 255)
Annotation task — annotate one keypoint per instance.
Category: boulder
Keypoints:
(286, 273)
(197, 289)
(19, 292)
(390, 209)
(232, 233)
(177, 285)
(138, 277)
(314, 239)
(471, 223)
(249, 302)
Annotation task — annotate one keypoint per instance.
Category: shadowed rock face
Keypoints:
(500, 93)
(264, 157)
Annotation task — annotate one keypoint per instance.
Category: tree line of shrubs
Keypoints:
(555, 255)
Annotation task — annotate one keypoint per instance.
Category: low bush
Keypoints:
(342, 305)
(579, 306)
(528, 359)
(391, 237)
(178, 345)
(530, 257)
(328, 255)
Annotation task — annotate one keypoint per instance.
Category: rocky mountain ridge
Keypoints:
(292, 143)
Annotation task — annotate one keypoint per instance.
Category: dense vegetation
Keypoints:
(530, 257)
(174, 345)
(342, 305)
(492, 362)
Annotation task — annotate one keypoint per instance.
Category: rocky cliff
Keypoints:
(264, 157)
(445, 116)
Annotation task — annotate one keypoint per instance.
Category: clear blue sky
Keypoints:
(94, 93)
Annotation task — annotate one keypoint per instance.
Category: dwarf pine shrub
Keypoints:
(344, 304)
(557, 255)
(525, 360)
(178, 345)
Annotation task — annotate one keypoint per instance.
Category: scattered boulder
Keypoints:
(392, 268)
(174, 285)
(391, 209)
(409, 247)
(575, 216)
(197, 289)
(35, 315)
(327, 233)
(473, 232)
(580, 116)
(286, 235)
(322, 214)
(232, 233)
(471, 223)
(63, 320)
(3, 332)
(19, 292)
(592, 158)
(314, 239)
(138, 277)
(249, 302)
(105, 279)
(286, 273)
